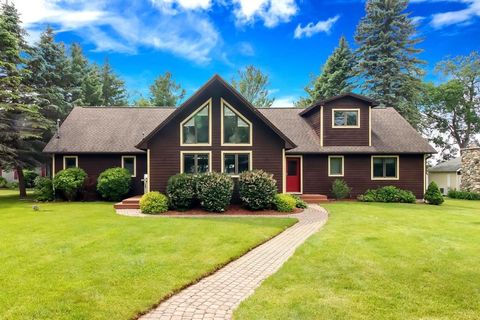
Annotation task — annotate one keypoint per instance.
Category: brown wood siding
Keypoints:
(313, 119)
(94, 164)
(345, 136)
(165, 146)
(357, 174)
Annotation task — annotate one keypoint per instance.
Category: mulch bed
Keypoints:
(231, 210)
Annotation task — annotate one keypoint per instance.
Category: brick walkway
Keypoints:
(216, 296)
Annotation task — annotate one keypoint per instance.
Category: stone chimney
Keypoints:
(470, 168)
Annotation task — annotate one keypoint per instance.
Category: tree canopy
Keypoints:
(253, 84)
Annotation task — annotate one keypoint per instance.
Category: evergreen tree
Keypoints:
(335, 77)
(165, 91)
(386, 57)
(113, 88)
(21, 123)
(92, 87)
(253, 84)
(77, 74)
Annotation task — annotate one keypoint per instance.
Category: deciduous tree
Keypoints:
(253, 84)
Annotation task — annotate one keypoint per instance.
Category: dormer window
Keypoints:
(236, 129)
(346, 118)
(196, 129)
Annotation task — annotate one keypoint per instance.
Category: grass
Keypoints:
(82, 261)
(380, 261)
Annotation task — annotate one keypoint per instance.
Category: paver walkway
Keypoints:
(216, 296)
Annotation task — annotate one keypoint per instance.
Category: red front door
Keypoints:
(293, 174)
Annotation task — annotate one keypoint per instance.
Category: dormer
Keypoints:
(343, 120)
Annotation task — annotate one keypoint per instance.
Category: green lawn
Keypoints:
(82, 261)
(380, 261)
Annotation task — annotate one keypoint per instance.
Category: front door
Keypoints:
(293, 174)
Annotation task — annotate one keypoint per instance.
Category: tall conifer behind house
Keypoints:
(113, 88)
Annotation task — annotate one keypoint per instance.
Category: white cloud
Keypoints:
(417, 19)
(271, 12)
(440, 20)
(311, 28)
(284, 102)
(175, 6)
(246, 49)
(188, 34)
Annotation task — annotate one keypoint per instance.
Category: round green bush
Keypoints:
(284, 202)
(181, 191)
(433, 194)
(340, 189)
(3, 182)
(29, 177)
(69, 182)
(387, 194)
(214, 191)
(43, 190)
(257, 189)
(299, 203)
(114, 184)
(154, 203)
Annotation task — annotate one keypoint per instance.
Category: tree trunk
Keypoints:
(21, 182)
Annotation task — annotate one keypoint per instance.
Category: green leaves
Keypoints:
(253, 84)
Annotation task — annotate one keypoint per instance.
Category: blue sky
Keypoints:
(193, 39)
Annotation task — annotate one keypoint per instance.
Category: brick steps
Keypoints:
(314, 198)
(129, 203)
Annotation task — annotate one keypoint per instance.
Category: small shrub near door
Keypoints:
(181, 191)
(433, 194)
(285, 202)
(43, 190)
(214, 191)
(114, 184)
(69, 182)
(154, 203)
(340, 189)
(299, 203)
(388, 194)
(257, 189)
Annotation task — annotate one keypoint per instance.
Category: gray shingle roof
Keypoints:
(106, 129)
(452, 165)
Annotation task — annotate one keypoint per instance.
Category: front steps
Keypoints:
(314, 198)
(129, 203)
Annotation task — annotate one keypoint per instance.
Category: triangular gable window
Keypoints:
(196, 129)
(237, 130)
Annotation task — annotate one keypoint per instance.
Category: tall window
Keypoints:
(236, 129)
(335, 166)
(70, 162)
(385, 167)
(195, 162)
(236, 163)
(196, 128)
(129, 163)
(346, 118)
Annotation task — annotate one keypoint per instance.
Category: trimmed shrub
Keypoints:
(214, 191)
(433, 194)
(114, 184)
(299, 203)
(69, 182)
(43, 190)
(29, 177)
(181, 191)
(154, 203)
(388, 194)
(465, 195)
(3, 182)
(257, 189)
(340, 189)
(284, 202)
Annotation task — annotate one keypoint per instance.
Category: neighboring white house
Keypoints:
(447, 175)
(11, 175)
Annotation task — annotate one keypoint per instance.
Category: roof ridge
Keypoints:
(125, 107)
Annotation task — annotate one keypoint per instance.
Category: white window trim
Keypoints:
(134, 164)
(72, 157)
(182, 153)
(223, 143)
(385, 178)
(346, 126)
(210, 107)
(343, 166)
(250, 164)
(301, 173)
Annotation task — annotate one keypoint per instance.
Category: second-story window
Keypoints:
(237, 130)
(196, 128)
(345, 118)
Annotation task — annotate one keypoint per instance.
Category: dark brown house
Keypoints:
(216, 129)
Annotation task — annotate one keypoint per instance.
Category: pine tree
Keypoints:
(386, 58)
(165, 91)
(92, 87)
(335, 77)
(113, 88)
(77, 74)
(21, 123)
(253, 84)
